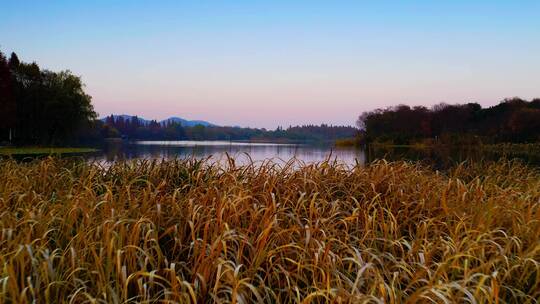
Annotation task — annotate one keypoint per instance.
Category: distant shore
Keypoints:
(7, 151)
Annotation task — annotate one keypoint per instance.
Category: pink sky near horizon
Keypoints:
(261, 102)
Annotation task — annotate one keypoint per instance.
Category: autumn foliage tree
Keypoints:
(512, 120)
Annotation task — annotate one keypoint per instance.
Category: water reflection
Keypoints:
(242, 152)
(442, 157)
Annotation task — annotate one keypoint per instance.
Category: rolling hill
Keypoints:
(182, 121)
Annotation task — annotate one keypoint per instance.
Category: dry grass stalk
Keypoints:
(189, 231)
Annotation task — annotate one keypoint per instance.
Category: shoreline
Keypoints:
(8, 150)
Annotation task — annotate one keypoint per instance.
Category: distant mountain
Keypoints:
(187, 123)
(184, 122)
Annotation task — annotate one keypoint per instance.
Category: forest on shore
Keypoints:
(136, 128)
(41, 107)
(514, 120)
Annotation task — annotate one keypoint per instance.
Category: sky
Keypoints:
(280, 63)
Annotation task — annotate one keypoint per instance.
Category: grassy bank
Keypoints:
(187, 231)
(412, 146)
(347, 142)
(43, 150)
(501, 147)
(509, 148)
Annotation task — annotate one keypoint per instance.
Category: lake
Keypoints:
(242, 152)
(245, 152)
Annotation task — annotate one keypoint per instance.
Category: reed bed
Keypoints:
(187, 231)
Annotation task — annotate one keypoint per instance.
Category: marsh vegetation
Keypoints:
(192, 231)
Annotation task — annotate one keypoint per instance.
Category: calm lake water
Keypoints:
(242, 152)
(245, 152)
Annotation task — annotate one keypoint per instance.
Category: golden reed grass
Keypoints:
(189, 231)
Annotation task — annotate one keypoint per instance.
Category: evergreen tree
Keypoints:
(14, 61)
(7, 101)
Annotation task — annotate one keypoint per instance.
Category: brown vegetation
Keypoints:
(190, 231)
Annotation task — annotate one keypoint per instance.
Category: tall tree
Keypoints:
(14, 61)
(7, 101)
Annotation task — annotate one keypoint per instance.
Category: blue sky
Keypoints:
(270, 63)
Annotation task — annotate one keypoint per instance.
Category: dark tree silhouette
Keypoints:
(42, 107)
(132, 128)
(14, 61)
(512, 120)
(7, 101)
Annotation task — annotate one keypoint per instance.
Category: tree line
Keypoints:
(41, 107)
(512, 120)
(134, 128)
